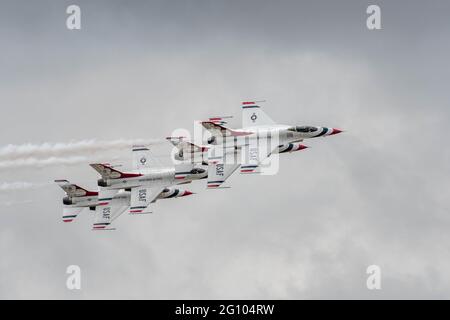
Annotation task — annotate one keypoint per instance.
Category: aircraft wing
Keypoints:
(249, 157)
(255, 153)
(219, 172)
(70, 213)
(105, 215)
(221, 166)
(141, 197)
(253, 115)
(107, 211)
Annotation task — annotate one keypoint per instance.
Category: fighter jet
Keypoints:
(145, 183)
(258, 139)
(77, 199)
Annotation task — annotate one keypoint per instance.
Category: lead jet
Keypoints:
(77, 199)
(257, 140)
(145, 183)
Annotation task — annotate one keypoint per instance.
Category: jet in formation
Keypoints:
(134, 191)
(224, 151)
(248, 147)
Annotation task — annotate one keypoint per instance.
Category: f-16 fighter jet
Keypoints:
(146, 182)
(248, 147)
(78, 199)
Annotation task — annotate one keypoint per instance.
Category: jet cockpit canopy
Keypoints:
(303, 129)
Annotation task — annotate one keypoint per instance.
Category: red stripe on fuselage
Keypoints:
(129, 175)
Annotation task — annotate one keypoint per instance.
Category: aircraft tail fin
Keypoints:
(73, 190)
(253, 115)
(186, 146)
(221, 131)
(108, 172)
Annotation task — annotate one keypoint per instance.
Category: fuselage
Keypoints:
(92, 201)
(161, 176)
(122, 198)
(278, 135)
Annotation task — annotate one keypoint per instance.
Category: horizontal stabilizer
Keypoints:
(70, 213)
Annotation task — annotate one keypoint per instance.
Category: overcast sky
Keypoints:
(376, 194)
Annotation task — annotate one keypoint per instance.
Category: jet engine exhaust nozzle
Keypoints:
(102, 183)
(67, 201)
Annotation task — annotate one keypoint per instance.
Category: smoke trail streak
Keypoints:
(8, 187)
(20, 185)
(15, 203)
(39, 163)
(47, 150)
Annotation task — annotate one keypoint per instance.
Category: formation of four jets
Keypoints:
(249, 148)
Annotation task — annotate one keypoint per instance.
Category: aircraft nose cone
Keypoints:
(187, 193)
(335, 131)
(302, 146)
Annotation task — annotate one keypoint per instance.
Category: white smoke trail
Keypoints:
(20, 185)
(47, 150)
(6, 187)
(14, 203)
(39, 163)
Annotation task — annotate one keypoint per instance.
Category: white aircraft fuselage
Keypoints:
(287, 137)
(149, 177)
(121, 198)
